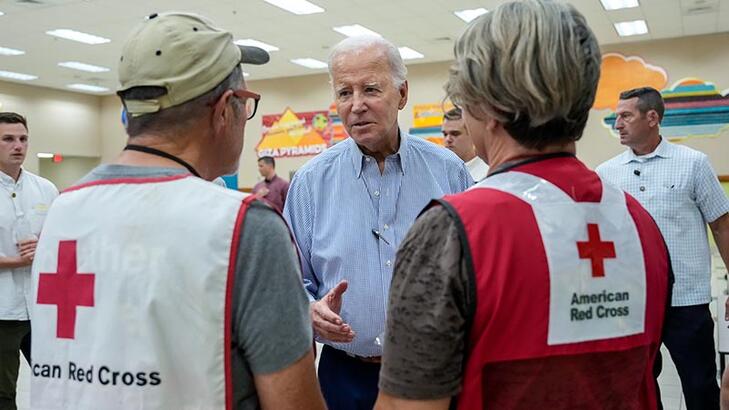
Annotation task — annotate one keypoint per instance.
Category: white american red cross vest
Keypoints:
(133, 296)
(570, 290)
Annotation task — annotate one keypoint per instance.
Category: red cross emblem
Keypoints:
(67, 289)
(596, 250)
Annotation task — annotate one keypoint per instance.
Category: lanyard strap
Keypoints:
(508, 166)
(154, 151)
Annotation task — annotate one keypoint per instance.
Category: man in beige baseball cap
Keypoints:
(155, 289)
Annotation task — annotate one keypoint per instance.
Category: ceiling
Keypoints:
(428, 26)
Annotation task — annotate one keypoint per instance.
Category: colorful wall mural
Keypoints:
(427, 121)
(292, 134)
(694, 107)
(619, 73)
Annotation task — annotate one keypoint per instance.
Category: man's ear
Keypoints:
(221, 112)
(403, 90)
(653, 119)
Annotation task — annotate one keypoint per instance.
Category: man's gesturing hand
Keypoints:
(325, 316)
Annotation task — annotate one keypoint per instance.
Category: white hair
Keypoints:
(357, 44)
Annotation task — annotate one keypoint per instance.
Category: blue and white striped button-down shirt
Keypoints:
(337, 199)
(678, 187)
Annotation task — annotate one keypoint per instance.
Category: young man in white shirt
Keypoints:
(458, 140)
(24, 201)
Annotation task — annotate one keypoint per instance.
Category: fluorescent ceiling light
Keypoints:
(44, 155)
(408, 53)
(256, 43)
(469, 15)
(10, 51)
(83, 67)
(1, 13)
(618, 4)
(631, 28)
(309, 63)
(87, 87)
(245, 74)
(296, 6)
(17, 76)
(69, 34)
(356, 30)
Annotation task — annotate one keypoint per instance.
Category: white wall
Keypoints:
(86, 125)
(66, 173)
(58, 121)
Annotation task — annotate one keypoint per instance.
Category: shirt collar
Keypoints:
(663, 150)
(6, 179)
(358, 157)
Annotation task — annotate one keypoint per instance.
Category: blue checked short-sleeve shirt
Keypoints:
(678, 187)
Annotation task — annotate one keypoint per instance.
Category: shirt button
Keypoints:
(386, 227)
(377, 193)
(388, 263)
(367, 159)
(642, 189)
(13, 195)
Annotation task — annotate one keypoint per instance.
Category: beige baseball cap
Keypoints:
(183, 53)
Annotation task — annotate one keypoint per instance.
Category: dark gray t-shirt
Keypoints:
(271, 325)
(425, 343)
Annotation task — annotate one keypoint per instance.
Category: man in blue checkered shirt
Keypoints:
(678, 187)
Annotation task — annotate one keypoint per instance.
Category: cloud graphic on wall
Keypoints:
(619, 73)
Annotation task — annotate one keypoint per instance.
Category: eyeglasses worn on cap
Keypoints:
(251, 100)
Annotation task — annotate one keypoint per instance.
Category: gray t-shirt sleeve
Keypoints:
(428, 311)
(271, 325)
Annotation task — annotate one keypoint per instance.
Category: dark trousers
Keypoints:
(347, 383)
(14, 338)
(689, 337)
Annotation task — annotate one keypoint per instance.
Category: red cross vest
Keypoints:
(132, 306)
(570, 278)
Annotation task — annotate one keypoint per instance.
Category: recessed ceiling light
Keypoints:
(309, 63)
(631, 28)
(256, 43)
(84, 67)
(296, 6)
(1, 13)
(408, 53)
(17, 76)
(74, 35)
(618, 4)
(469, 15)
(44, 155)
(87, 87)
(10, 51)
(356, 30)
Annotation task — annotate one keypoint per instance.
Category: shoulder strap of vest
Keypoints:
(532, 189)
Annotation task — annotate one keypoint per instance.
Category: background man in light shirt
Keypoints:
(24, 201)
(458, 140)
(678, 187)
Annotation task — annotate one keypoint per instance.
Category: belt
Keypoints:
(363, 359)
(371, 359)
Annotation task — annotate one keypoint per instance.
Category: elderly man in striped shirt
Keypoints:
(351, 206)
